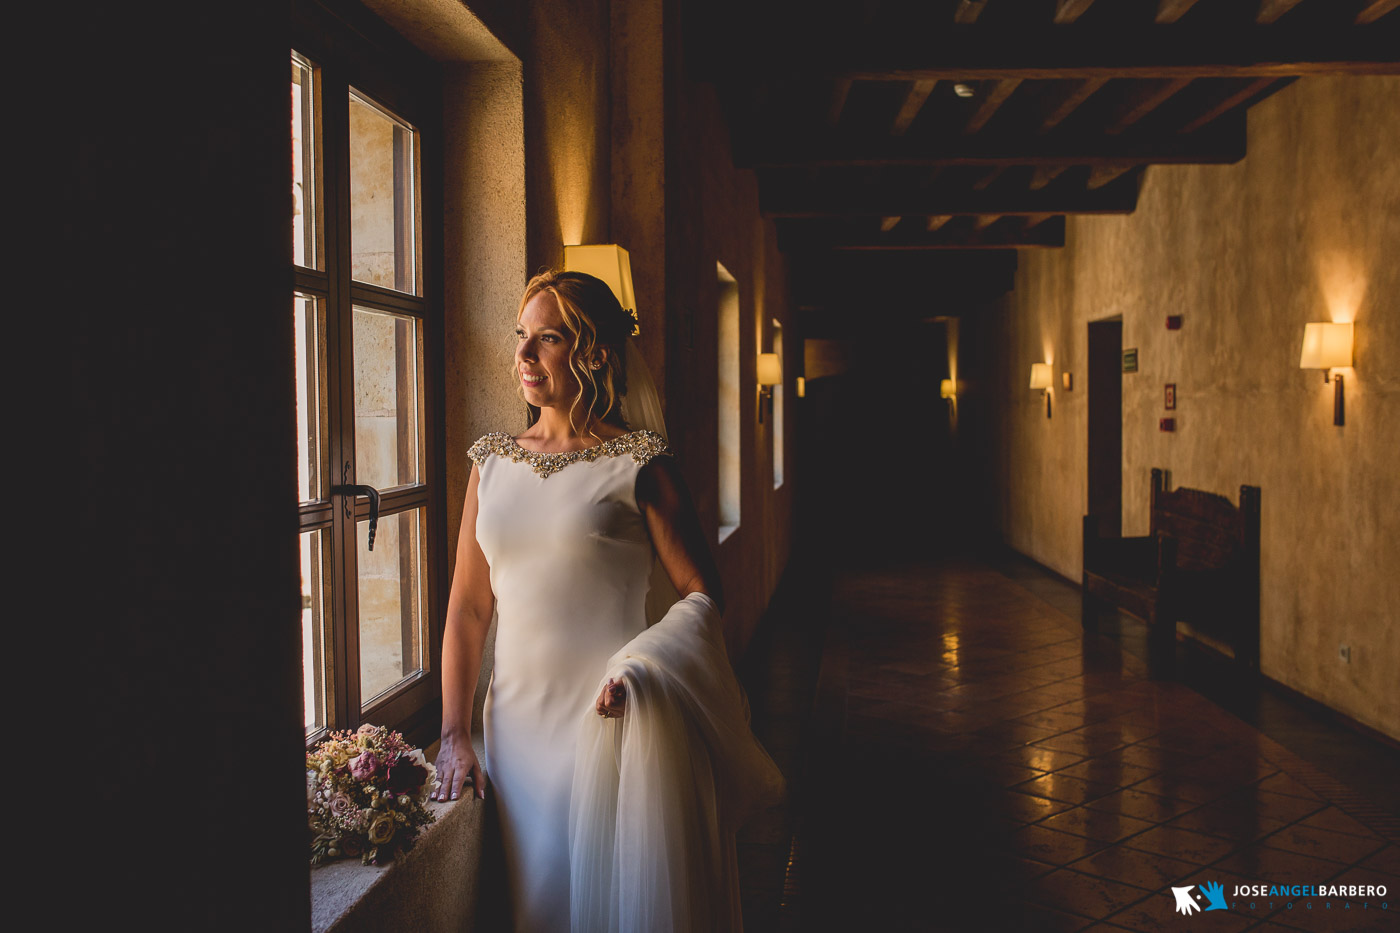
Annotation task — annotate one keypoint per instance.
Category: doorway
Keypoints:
(1106, 425)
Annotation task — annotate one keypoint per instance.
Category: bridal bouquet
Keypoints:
(365, 795)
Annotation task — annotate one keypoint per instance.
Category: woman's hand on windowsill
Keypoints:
(456, 766)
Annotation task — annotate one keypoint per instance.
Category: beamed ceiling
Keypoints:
(951, 133)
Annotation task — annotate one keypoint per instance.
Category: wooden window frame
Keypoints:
(349, 49)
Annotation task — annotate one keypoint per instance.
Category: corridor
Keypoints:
(973, 761)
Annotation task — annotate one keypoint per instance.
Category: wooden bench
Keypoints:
(1199, 565)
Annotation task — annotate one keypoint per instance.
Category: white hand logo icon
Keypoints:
(1184, 902)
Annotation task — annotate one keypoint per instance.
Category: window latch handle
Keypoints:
(373, 494)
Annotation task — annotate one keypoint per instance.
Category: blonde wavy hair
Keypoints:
(594, 319)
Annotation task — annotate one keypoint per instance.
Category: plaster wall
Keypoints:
(712, 217)
(1306, 228)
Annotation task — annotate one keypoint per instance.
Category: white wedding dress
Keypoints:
(570, 562)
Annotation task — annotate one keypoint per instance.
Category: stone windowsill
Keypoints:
(432, 887)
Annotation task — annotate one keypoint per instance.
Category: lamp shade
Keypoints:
(945, 389)
(1326, 345)
(1041, 375)
(770, 369)
(609, 263)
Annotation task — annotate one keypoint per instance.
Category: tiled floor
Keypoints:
(993, 768)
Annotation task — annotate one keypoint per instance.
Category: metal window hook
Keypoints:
(349, 491)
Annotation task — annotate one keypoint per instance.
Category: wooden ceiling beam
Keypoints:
(1103, 175)
(1070, 102)
(991, 103)
(1044, 174)
(781, 197)
(1143, 100)
(968, 11)
(1227, 103)
(1222, 143)
(1271, 10)
(802, 236)
(1374, 10)
(1067, 11)
(840, 90)
(985, 182)
(1169, 11)
(913, 102)
(1176, 50)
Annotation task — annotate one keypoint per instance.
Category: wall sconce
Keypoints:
(1327, 346)
(770, 373)
(946, 389)
(613, 265)
(1041, 377)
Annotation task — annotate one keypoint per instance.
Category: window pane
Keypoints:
(386, 398)
(383, 216)
(392, 616)
(303, 164)
(310, 396)
(314, 602)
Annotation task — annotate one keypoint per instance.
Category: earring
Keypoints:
(595, 365)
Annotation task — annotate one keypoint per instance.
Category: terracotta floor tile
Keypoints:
(1146, 870)
(1323, 844)
(1334, 820)
(1086, 895)
(1146, 757)
(1142, 805)
(1029, 808)
(1182, 844)
(1042, 759)
(1047, 845)
(1081, 743)
(1283, 784)
(1108, 769)
(1274, 806)
(1166, 785)
(1102, 825)
(1216, 819)
(1068, 789)
(1278, 865)
(1386, 860)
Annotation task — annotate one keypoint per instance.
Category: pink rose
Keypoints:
(366, 729)
(364, 767)
(342, 805)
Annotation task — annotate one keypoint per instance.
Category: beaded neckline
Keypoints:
(642, 445)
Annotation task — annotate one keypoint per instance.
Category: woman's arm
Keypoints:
(676, 534)
(684, 553)
(469, 608)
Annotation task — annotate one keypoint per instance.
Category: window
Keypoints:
(729, 403)
(778, 408)
(366, 333)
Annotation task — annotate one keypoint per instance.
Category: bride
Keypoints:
(619, 754)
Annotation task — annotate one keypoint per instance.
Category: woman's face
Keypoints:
(542, 354)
